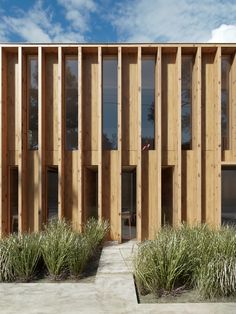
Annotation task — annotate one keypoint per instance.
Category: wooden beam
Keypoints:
(177, 170)
(119, 180)
(22, 143)
(139, 152)
(158, 144)
(38, 214)
(217, 109)
(99, 133)
(78, 224)
(197, 144)
(61, 136)
(3, 147)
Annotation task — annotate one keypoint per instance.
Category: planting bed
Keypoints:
(55, 254)
(187, 264)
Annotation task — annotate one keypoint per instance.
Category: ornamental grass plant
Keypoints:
(56, 252)
(25, 255)
(197, 257)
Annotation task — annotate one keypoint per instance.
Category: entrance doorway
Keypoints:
(128, 215)
(167, 196)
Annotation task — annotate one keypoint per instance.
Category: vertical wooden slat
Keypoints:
(61, 137)
(158, 144)
(217, 101)
(119, 194)
(80, 143)
(196, 114)
(21, 138)
(139, 153)
(177, 171)
(41, 148)
(3, 147)
(99, 95)
(1, 144)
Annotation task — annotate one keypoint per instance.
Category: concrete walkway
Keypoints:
(112, 292)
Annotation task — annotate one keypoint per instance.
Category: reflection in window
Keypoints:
(225, 71)
(148, 102)
(109, 108)
(71, 101)
(186, 101)
(33, 102)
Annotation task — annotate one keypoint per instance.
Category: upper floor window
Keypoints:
(32, 87)
(109, 102)
(71, 101)
(186, 101)
(225, 78)
(148, 102)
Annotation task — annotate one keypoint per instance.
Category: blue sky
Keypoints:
(118, 21)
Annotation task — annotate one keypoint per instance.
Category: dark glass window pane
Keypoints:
(186, 101)
(14, 215)
(33, 102)
(228, 195)
(52, 192)
(109, 108)
(225, 70)
(148, 103)
(71, 102)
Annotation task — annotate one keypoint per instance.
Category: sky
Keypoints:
(105, 21)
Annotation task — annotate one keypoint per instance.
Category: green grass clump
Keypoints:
(56, 242)
(95, 231)
(25, 254)
(188, 257)
(216, 275)
(6, 252)
(58, 249)
(78, 255)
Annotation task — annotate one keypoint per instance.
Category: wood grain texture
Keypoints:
(196, 172)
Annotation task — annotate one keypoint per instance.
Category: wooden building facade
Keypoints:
(136, 134)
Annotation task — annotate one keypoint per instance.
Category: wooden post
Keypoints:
(61, 137)
(177, 171)
(100, 133)
(119, 187)
(217, 102)
(139, 153)
(80, 143)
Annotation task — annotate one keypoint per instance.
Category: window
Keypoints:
(148, 102)
(167, 195)
(186, 101)
(32, 102)
(71, 102)
(52, 192)
(225, 76)
(91, 192)
(228, 199)
(109, 106)
(13, 199)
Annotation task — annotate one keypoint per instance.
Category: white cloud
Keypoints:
(171, 20)
(37, 25)
(77, 13)
(223, 34)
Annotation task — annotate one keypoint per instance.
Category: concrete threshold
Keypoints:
(112, 292)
